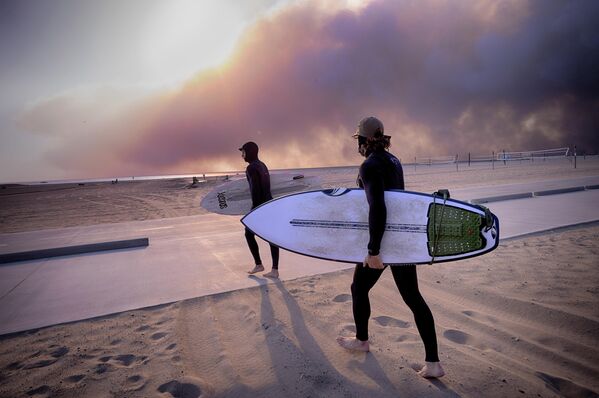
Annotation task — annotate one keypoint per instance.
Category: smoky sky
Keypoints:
(445, 77)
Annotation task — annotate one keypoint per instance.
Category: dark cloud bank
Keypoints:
(446, 77)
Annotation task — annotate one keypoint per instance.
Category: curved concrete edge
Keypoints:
(501, 198)
(525, 195)
(70, 250)
(550, 230)
(557, 191)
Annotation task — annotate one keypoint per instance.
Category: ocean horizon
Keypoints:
(412, 165)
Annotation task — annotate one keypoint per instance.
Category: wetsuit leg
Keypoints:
(251, 239)
(274, 251)
(407, 282)
(364, 279)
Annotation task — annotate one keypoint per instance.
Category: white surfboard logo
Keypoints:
(336, 191)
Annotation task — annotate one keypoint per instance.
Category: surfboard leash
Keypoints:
(445, 194)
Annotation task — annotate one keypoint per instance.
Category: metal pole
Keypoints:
(574, 156)
(504, 157)
(456, 163)
(493, 160)
(468, 159)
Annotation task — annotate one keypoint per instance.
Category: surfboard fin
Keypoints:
(489, 221)
(442, 193)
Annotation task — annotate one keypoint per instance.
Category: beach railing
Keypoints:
(499, 157)
(532, 155)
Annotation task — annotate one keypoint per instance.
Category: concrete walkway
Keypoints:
(206, 254)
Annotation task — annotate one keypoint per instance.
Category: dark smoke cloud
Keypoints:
(446, 77)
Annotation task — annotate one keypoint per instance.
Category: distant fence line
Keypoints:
(500, 156)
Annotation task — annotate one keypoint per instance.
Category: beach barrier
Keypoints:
(496, 158)
(72, 250)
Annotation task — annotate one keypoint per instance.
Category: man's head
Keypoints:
(249, 151)
(370, 127)
(371, 136)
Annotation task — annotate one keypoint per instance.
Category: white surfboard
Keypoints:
(233, 197)
(333, 225)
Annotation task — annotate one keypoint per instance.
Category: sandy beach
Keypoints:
(522, 321)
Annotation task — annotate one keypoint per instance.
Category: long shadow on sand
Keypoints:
(303, 369)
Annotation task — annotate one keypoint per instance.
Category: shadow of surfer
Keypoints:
(302, 351)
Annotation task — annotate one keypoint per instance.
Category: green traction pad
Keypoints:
(457, 230)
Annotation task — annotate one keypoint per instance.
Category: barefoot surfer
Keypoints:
(379, 172)
(259, 179)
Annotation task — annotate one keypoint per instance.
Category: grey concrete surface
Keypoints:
(72, 250)
(202, 255)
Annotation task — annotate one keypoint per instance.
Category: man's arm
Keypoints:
(377, 213)
(255, 186)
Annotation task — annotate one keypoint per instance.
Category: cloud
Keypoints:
(445, 77)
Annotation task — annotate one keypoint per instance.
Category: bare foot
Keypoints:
(272, 274)
(353, 344)
(432, 370)
(257, 268)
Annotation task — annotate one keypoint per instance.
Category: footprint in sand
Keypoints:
(40, 364)
(44, 361)
(459, 337)
(171, 347)
(42, 391)
(564, 387)
(407, 337)
(135, 383)
(59, 352)
(102, 368)
(74, 379)
(158, 336)
(392, 322)
(180, 390)
(477, 315)
(142, 328)
(348, 329)
(126, 360)
(14, 366)
(342, 298)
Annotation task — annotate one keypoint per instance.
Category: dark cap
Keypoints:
(250, 145)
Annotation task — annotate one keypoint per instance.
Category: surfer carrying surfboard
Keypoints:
(259, 180)
(379, 172)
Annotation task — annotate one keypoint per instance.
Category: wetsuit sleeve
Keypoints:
(377, 213)
(253, 175)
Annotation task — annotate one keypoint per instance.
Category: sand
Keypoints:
(522, 321)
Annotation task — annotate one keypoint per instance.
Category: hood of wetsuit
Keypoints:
(251, 151)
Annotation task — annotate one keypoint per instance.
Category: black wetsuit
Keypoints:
(382, 171)
(259, 180)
